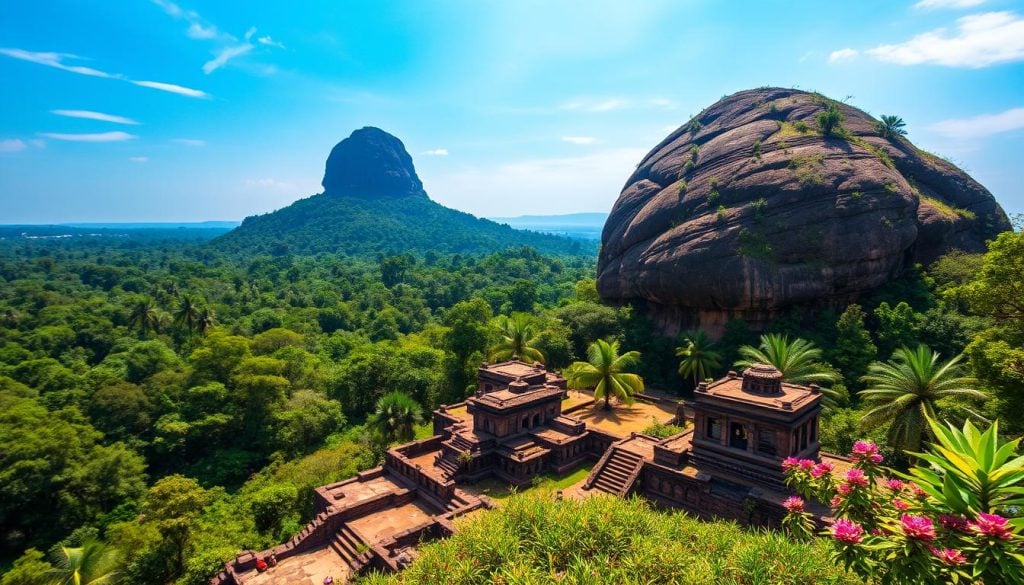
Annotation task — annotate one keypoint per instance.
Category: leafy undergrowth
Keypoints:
(606, 540)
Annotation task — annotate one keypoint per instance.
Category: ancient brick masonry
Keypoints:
(727, 464)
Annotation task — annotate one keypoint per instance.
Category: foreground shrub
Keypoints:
(952, 528)
(606, 540)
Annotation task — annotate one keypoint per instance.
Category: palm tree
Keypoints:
(146, 316)
(187, 313)
(605, 372)
(890, 126)
(798, 360)
(700, 359)
(395, 419)
(905, 391)
(92, 563)
(516, 336)
(207, 320)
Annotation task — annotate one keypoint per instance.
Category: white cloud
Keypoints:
(226, 54)
(842, 55)
(437, 152)
(138, 159)
(595, 105)
(579, 139)
(89, 115)
(100, 137)
(55, 60)
(663, 103)
(200, 32)
(980, 40)
(940, 4)
(981, 126)
(38, 143)
(269, 184)
(12, 145)
(190, 141)
(266, 40)
(170, 8)
(172, 88)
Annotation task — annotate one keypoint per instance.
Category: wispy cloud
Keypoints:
(579, 139)
(595, 104)
(138, 159)
(436, 152)
(190, 141)
(198, 27)
(100, 137)
(224, 55)
(980, 40)
(56, 60)
(842, 55)
(12, 145)
(172, 88)
(89, 115)
(981, 126)
(941, 4)
(200, 32)
(663, 103)
(266, 40)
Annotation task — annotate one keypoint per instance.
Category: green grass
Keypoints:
(808, 169)
(424, 431)
(947, 209)
(545, 483)
(605, 540)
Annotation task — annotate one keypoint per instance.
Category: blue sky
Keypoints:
(161, 111)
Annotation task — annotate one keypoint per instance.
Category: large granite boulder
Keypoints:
(371, 163)
(749, 209)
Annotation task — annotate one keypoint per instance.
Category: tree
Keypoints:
(897, 326)
(589, 321)
(395, 418)
(606, 372)
(853, 349)
(171, 505)
(187, 314)
(906, 391)
(306, 420)
(798, 360)
(890, 126)
(207, 320)
(517, 338)
(92, 563)
(146, 316)
(700, 356)
(830, 119)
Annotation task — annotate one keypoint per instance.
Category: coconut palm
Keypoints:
(146, 316)
(700, 359)
(516, 336)
(605, 372)
(799, 360)
(891, 127)
(207, 320)
(395, 418)
(92, 563)
(187, 314)
(905, 392)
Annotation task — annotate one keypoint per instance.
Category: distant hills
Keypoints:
(373, 202)
(584, 226)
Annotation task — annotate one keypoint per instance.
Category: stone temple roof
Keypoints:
(517, 394)
(760, 386)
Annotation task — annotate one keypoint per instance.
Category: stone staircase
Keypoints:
(350, 548)
(616, 472)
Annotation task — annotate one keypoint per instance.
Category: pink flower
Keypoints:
(806, 464)
(821, 469)
(847, 531)
(992, 526)
(895, 485)
(917, 492)
(856, 477)
(950, 556)
(844, 489)
(794, 504)
(836, 501)
(790, 463)
(918, 527)
(866, 451)
(900, 504)
(951, 522)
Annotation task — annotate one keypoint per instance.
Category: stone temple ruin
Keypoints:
(521, 422)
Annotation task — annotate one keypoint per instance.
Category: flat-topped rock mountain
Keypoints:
(373, 202)
(371, 163)
(751, 208)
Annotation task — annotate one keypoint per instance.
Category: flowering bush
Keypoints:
(890, 530)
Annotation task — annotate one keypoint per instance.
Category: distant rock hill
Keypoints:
(751, 208)
(373, 202)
